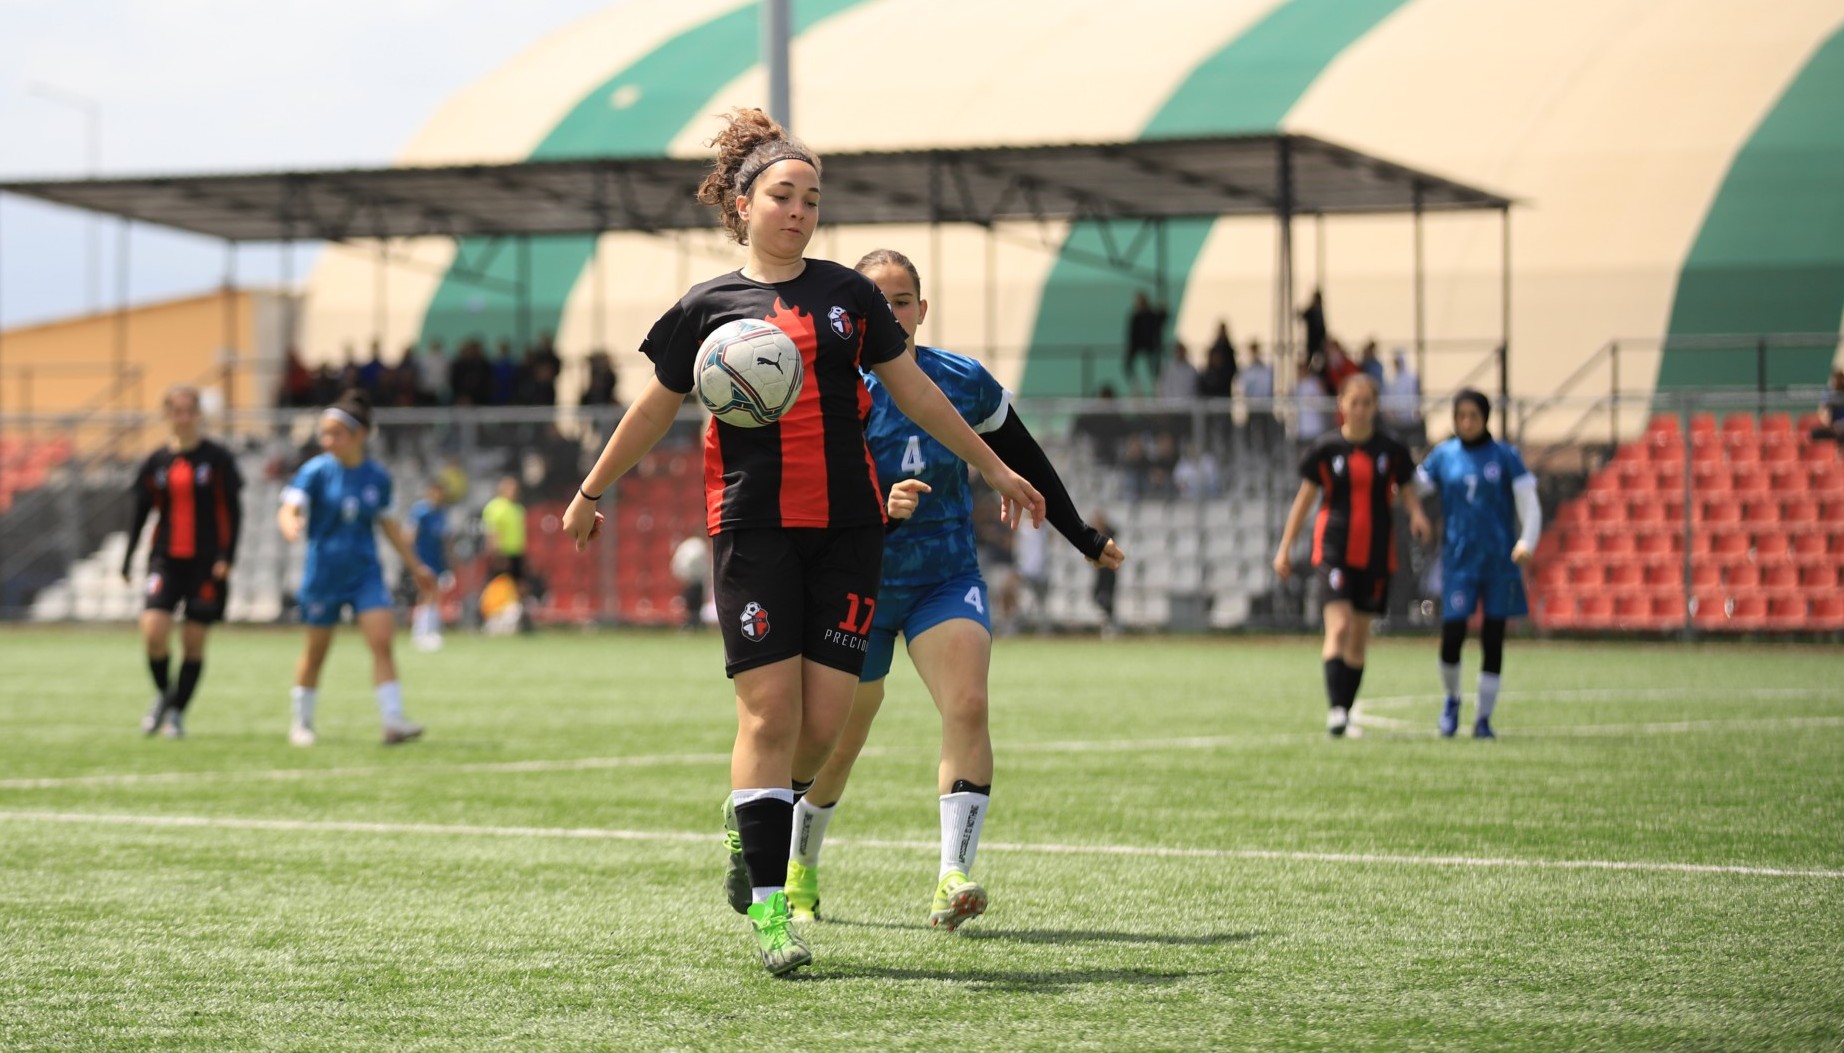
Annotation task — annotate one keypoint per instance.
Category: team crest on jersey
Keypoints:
(371, 495)
(1338, 465)
(842, 323)
(204, 474)
(1382, 464)
(755, 622)
(1491, 471)
(349, 509)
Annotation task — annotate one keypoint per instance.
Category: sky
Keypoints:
(195, 86)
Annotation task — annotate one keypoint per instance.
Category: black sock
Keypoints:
(1335, 682)
(766, 825)
(1354, 675)
(189, 672)
(801, 788)
(158, 667)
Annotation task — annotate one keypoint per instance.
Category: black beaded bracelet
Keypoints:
(586, 497)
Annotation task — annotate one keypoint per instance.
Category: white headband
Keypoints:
(343, 417)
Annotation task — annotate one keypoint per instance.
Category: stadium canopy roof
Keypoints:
(1158, 179)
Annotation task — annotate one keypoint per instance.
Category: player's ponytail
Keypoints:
(352, 408)
(750, 141)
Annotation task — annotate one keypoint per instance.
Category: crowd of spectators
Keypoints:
(429, 375)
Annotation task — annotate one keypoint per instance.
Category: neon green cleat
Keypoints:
(782, 951)
(803, 891)
(736, 880)
(957, 901)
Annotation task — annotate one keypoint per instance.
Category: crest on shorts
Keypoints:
(1336, 579)
(755, 622)
(842, 323)
(153, 584)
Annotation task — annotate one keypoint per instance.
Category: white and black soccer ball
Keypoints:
(749, 373)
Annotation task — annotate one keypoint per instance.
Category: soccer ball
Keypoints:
(749, 373)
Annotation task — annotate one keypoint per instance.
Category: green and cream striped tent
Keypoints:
(1679, 166)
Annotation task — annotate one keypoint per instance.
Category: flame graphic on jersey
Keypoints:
(798, 325)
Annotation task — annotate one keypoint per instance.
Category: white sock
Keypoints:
(422, 623)
(304, 699)
(1450, 679)
(809, 832)
(390, 701)
(963, 816)
(1488, 694)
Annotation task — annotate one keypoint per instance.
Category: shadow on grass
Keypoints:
(1037, 981)
(1002, 935)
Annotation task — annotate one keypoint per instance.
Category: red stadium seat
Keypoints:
(1663, 422)
(1738, 423)
(1710, 610)
(1779, 449)
(1771, 546)
(1748, 611)
(1786, 611)
(1646, 511)
(1824, 478)
(1809, 547)
(1594, 610)
(1706, 446)
(1780, 576)
(1587, 574)
(1616, 543)
(1826, 611)
(1818, 451)
(1761, 510)
(1799, 512)
(1606, 508)
(1777, 424)
(1632, 610)
(1711, 477)
(1704, 575)
(1577, 543)
(1664, 449)
(1659, 574)
(1819, 576)
(1625, 575)
(1670, 480)
(1702, 423)
(1831, 510)
(1721, 510)
(1742, 449)
(1731, 543)
(1552, 577)
(1609, 480)
(1663, 541)
(1741, 576)
(1750, 479)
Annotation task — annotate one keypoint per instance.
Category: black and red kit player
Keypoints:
(1357, 474)
(794, 506)
(192, 484)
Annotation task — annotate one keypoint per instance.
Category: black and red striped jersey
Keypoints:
(1357, 484)
(198, 493)
(811, 468)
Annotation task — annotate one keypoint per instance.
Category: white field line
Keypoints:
(1363, 717)
(681, 837)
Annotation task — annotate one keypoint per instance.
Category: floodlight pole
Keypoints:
(777, 30)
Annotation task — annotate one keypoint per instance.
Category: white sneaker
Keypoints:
(428, 643)
(1337, 719)
(400, 731)
(301, 734)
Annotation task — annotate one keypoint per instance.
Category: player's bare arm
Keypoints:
(1296, 518)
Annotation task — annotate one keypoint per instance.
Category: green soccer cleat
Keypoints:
(736, 880)
(803, 891)
(782, 951)
(957, 901)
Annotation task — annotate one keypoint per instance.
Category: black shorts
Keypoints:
(807, 591)
(171, 582)
(1366, 590)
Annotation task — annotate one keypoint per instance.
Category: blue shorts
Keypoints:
(320, 608)
(1463, 590)
(914, 610)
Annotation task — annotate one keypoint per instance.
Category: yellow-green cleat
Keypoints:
(782, 951)
(958, 900)
(736, 879)
(803, 891)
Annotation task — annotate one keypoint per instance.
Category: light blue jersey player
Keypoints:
(429, 525)
(336, 501)
(932, 594)
(1486, 493)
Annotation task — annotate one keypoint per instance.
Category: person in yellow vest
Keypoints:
(504, 520)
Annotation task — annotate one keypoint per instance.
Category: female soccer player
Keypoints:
(194, 484)
(1485, 493)
(932, 592)
(337, 499)
(1361, 473)
(794, 507)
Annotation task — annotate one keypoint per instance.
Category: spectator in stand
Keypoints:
(1258, 389)
(1196, 475)
(1313, 314)
(399, 382)
(505, 377)
(538, 384)
(371, 374)
(1402, 405)
(1178, 380)
(1370, 363)
(1218, 379)
(544, 350)
(1338, 365)
(1310, 419)
(1831, 411)
(1104, 428)
(471, 377)
(600, 388)
(432, 369)
(297, 383)
(1135, 466)
(1162, 466)
(1145, 338)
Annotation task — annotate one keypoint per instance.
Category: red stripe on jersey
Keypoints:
(805, 499)
(1324, 516)
(182, 510)
(221, 504)
(1361, 471)
(713, 478)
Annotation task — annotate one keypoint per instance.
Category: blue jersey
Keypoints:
(1479, 512)
(343, 505)
(430, 521)
(936, 543)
